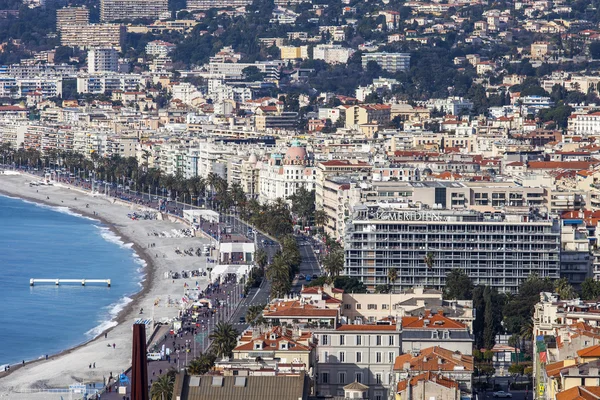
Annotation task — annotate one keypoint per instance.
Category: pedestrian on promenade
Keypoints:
(90, 366)
(114, 345)
(105, 335)
(94, 365)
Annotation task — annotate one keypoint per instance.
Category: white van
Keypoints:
(154, 356)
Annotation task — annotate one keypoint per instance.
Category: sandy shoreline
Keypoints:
(71, 366)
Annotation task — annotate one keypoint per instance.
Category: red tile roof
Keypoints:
(435, 321)
(592, 351)
(580, 393)
(427, 376)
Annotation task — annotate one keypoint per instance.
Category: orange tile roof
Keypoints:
(427, 376)
(580, 393)
(273, 344)
(436, 321)
(554, 368)
(434, 359)
(576, 165)
(592, 351)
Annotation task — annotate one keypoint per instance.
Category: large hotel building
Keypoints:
(493, 247)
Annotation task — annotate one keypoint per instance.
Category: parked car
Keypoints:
(307, 278)
(301, 276)
(502, 394)
(242, 320)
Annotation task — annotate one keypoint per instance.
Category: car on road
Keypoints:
(503, 395)
(315, 276)
(301, 276)
(307, 278)
(242, 320)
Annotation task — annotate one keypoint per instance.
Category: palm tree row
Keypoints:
(286, 263)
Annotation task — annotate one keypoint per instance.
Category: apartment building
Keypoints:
(93, 35)
(367, 114)
(495, 248)
(41, 70)
(72, 16)
(234, 71)
(392, 62)
(115, 10)
(293, 53)
(103, 59)
(193, 5)
(159, 48)
(110, 82)
(332, 53)
(267, 118)
(358, 353)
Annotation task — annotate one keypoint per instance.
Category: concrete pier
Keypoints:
(58, 282)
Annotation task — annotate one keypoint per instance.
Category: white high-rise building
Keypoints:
(103, 59)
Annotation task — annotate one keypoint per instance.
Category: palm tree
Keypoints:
(279, 273)
(162, 388)
(333, 262)
(392, 276)
(429, 262)
(321, 219)
(253, 313)
(564, 289)
(202, 364)
(261, 258)
(224, 339)
(527, 330)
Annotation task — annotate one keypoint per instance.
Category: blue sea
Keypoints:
(38, 241)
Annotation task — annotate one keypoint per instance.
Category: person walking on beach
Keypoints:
(94, 365)
(105, 335)
(114, 345)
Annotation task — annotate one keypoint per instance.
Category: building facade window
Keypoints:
(378, 340)
(391, 357)
(358, 357)
(324, 339)
(341, 377)
(325, 377)
(342, 340)
(358, 340)
(391, 340)
(342, 357)
(359, 377)
(378, 357)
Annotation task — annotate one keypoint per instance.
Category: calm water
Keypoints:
(44, 242)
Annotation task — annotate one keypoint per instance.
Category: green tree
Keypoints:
(261, 258)
(252, 74)
(321, 218)
(516, 369)
(489, 334)
(564, 289)
(519, 308)
(590, 289)
(458, 286)
(595, 49)
(253, 313)
(303, 204)
(429, 261)
(201, 364)
(333, 262)
(162, 388)
(224, 339)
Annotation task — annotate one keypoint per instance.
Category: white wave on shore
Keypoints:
(113, 310)
(60, 209)
(111, 237)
